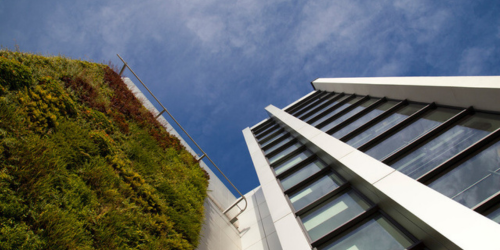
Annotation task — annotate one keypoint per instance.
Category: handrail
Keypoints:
(125, 65)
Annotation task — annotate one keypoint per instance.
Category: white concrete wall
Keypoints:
(481, 92)
(288, 230)
(256, 225)
(217, 233)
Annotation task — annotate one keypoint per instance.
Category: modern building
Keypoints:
(384, 163)
(368, 163)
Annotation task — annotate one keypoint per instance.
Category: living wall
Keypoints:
(83, 165)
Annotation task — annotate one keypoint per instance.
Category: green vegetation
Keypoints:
(83, 165)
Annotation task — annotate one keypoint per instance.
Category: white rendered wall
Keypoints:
(430, 216)
(217, 233)
(256, 225)
(287, 228)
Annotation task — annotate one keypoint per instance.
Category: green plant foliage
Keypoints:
(83, 165)
(13, 74)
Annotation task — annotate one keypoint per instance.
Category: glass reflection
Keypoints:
(312, 104)
(384, 125)
(443, 147)
(336, 111)
(406, 135)
(284, 152)
(277, 145)
(302, 174)
(474, 180)
(348, 115)
(376, 234)
(364, 119)
(313, 113)
(269, 129)
(271, 138)
(292, 162)
(495, 215)
(314, 190)
(333, 213)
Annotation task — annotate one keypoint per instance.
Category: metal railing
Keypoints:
(204, 155)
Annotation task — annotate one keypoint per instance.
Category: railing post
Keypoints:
(232, 220)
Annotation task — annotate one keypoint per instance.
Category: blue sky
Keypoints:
(216, 64)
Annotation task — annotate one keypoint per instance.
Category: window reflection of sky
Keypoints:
(364, 119)
(272, 138)
(474, 180)
(292, 162)
(284, 152)
(277, 145)
(347, 115)
(332, 214)
(406, 135)
(319, 97)
(384, 125)
(302, 174)
(446, 145)
(336, 111)
(310, 113)
(315, 190)
(495, 215)
(314, 113)
(376, 234)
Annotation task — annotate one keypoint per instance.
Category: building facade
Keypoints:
(383, 163)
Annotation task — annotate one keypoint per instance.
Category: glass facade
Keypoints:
(347, 115)
(333, 213)
(284, 152)
(323, 199)
(406, 135)
(301, 174)
(377, 234)
(384, 125)
(473, 181)
(364, 119)
(494, 215)
(315, 190)
(314, 113)
(294, 160)
(436, 151)
(337, 110)
(267, 140)
(277, 145)
(325, 104)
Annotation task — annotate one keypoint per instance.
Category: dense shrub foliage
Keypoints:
(83, 165)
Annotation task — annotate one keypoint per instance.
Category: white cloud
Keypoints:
(474, 60)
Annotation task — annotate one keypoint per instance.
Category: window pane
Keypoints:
(314, 190)
(376, 234)
(348, 115)
(271, 128)
(474, 180)
(270, 138)
(364, 119)
(311, 104)
(302, 174)
(446, 145)
(335, 212)
(384, 125)
(284, 152)
(309, 117)
(337, 110)
(406, 135)
(292, 162)
(277, 145)
(495, 215)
